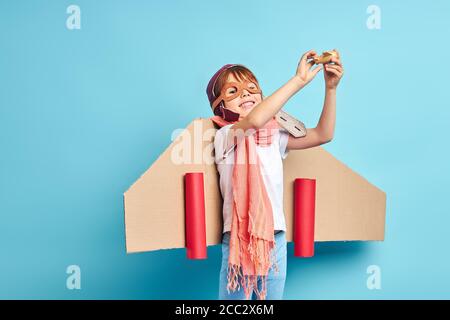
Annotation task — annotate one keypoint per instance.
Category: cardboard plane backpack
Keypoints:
(179, 205)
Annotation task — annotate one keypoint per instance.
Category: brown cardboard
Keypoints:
(348, 207)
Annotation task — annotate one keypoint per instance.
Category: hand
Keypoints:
(304, 72)
(333, 72)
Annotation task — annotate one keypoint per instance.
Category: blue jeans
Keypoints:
(275, 281)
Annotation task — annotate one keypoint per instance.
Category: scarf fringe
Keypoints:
(250, 282)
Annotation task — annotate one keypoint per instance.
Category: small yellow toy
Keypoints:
(325, 57)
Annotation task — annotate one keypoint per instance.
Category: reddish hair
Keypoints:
(239, 72)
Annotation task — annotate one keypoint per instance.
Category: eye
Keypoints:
(231, 91)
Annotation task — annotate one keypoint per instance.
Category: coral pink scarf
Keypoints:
(252, 228)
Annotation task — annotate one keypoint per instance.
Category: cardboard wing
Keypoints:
(348, 207)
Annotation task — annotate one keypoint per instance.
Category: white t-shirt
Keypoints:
(271, 158)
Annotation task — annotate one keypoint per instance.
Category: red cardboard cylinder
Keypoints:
(195, 225)
(304, 216)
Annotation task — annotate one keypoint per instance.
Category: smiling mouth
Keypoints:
(247, 105)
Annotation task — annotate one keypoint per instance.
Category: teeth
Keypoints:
(247, 104)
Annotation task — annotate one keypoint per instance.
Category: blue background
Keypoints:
(84, 112)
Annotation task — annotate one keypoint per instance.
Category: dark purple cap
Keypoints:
(212, 83)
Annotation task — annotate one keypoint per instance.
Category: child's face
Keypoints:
(243, 103)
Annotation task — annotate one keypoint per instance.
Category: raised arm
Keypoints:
(270, 106)
(324, 131)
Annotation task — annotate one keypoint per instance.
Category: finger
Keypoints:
(333, 72)
(309, 53)
(334, 66)
(311, 64)
(316, 70)
(334, 69)
(306, 55)
(336, 61)
(337, 73)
